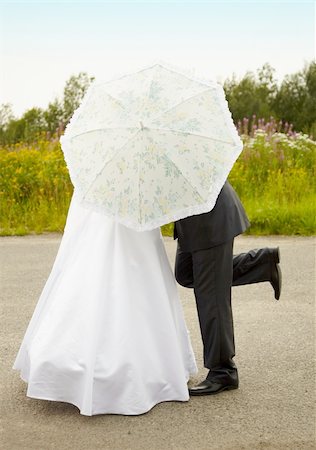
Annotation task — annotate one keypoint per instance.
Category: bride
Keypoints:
(108, 333)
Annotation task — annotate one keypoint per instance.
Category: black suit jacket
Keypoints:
(225, 221)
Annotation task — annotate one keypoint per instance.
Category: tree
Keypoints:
(26, 129)
(310, 101)
(37, 120)
(34, 123)
(74, 90)
(255, 94)
(6, 115)
(266, 90)
(290, 99)
(54, 116)
(252, 95)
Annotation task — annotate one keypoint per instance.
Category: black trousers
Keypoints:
(211, 273)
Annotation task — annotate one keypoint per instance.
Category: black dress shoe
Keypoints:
(208, 387)
(276, 274)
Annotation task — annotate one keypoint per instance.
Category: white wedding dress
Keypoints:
(108, 332)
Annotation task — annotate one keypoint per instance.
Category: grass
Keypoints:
(274, 177)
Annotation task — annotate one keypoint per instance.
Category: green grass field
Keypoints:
(274, 177)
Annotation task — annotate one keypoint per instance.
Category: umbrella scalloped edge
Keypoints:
(167, 218)
(176, 215)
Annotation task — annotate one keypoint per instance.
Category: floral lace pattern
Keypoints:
(151, 147)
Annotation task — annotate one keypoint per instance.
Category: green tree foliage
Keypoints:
(310, 103)
(25, 129)
(6, 117)
(296, 99)
(35, 121)
(54, 116)
(74, 90)
(253, 96)
(293, 101)
(291, 98)
(6, 114)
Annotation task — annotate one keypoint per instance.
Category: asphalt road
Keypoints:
(274, 408)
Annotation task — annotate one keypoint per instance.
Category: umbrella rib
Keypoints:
(139, 205)
(116, 100)
(177, 168)
(191, 134)
(102, 129)
(107, 162)
(127, 75)
(150, 86)
(180, 103)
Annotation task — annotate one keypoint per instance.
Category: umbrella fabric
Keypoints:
(151, 147)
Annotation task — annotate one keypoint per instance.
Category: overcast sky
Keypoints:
(43, 43)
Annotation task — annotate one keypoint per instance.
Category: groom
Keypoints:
(205, 262)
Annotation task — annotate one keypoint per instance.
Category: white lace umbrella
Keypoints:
(151, 147)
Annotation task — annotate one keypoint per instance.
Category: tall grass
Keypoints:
(35, 189)
(274, 177)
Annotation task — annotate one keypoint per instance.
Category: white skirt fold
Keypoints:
(108, 332)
